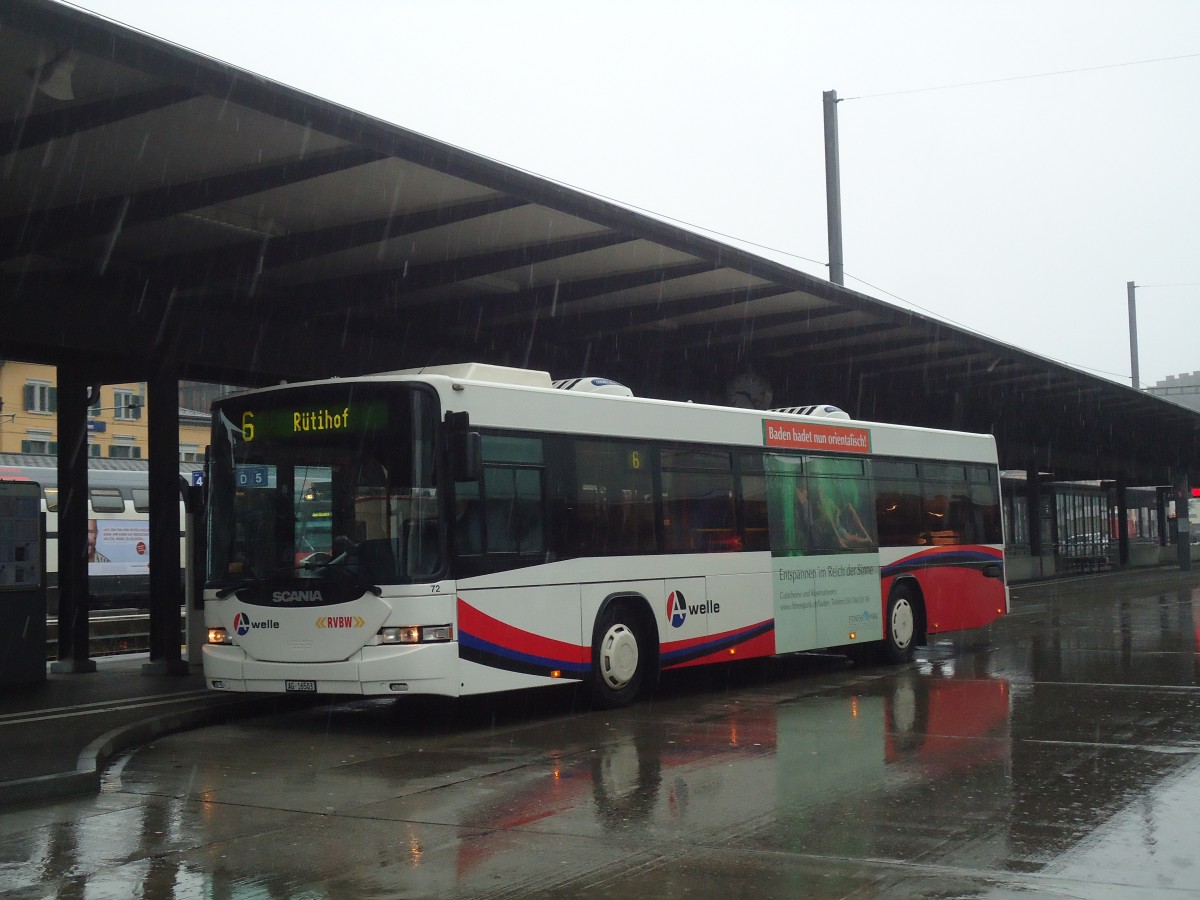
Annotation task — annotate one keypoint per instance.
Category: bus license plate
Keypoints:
(307, 687)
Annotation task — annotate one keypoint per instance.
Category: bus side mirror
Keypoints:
(466, 455)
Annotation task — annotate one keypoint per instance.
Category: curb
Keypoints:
(96, 756)
(1159, 576)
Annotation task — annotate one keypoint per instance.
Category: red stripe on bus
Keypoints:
(480, 624)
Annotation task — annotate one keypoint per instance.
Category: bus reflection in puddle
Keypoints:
(814, 771)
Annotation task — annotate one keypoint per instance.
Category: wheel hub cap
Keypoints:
(902, 624)
(618, 656)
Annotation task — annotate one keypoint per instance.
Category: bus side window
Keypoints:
(841, 514)
(468, 518)
(505, 513)
(755, 530)
(698, 512)
(985, 505)
(842, 511)
(514, 510)
(609, 510)
(698, 504)
(945, 504)
(897, 503)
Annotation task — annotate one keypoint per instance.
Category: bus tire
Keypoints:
(900, 625)
(619, 658)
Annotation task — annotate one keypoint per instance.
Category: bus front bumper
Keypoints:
(373, 671)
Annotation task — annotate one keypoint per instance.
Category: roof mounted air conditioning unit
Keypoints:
(821, 411)
(594, 385)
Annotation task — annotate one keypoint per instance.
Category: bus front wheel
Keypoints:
(900, 626)
(618, 659)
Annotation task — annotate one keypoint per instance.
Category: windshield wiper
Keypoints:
(318, 560)
(233, 588)
(252, 581)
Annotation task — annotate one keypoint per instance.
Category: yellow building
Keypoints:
(117, 424)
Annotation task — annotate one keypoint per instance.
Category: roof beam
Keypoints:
(637, 318)
(228, 265)
(934, 359)
(63, 121)
(753, 329)
(46, 229)
(374, 287)
(535, 302)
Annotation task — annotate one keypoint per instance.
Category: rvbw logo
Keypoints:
(678, 609)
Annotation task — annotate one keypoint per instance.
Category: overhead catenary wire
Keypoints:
(1009, 78)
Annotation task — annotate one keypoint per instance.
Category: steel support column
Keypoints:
(74, 634)
(166, 594)
(1122, 523)
(1033, 509)
(1183, 530)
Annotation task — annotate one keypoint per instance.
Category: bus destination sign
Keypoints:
(809, 436)
(286, 424)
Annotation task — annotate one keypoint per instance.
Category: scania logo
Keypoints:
(297, 597)
(242, 624)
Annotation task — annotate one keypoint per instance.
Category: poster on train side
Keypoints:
(118, 547)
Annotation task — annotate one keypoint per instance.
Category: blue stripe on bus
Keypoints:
(926, 559)
(716, 645)
(476, 649)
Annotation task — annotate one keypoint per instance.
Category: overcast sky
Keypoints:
(1018, 207)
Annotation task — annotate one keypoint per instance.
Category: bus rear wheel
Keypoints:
(900, 626)
(618, 659)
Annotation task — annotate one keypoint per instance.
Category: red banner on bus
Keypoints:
(807, 436)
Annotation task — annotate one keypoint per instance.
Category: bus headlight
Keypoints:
(219, 636)
(407, 635)
(416, 634)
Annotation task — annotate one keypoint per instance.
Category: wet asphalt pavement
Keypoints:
(1056, 755)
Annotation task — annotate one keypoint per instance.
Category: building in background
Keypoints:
(117, 423)
(1182, 389)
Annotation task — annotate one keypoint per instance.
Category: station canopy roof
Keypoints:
(163, 209)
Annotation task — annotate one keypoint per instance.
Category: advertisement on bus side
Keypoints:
(826, 601)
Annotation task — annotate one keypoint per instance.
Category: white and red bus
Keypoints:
(467, 529)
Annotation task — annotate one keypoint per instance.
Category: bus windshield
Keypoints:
(337, 485)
